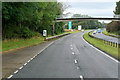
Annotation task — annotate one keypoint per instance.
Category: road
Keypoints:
(70, 57)
(107, 38)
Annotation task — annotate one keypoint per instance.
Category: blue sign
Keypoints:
(70, 25)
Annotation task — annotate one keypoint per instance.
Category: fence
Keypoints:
(113, 44)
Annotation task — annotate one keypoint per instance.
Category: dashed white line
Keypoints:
(21, 67)
(75, 61)
(101, 51)
(71, 45)
(28, 61)
(25, 64)
(71, 48)
(31, 59)
(81, 77)
(73, 53)
(10, 76)
(15, 71)
(78, 68)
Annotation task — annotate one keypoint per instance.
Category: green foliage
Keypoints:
(114, 26)
(117, 9)
(89, 24)
(59, 27)
(28, 19)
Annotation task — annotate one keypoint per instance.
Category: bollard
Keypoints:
(116, 45)
(107, 42)
(111, 43)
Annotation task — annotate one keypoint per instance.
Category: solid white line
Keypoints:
(25, 64)
(101, 52)
(21, 67)
(81, 77)
(75, 61)
(73, 53)
(15, 71)
(10, 76)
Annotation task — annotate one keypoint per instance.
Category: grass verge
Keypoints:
(13, 44)
(100, 44)
(20, 43)
(113, 34)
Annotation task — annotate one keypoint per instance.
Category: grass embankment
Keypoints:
(13, 44)
(20, 43)
(100, 44)
(113, 34)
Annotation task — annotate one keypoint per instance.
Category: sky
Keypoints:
(94, 8)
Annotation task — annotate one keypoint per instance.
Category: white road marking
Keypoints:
(21, 67)
(25, 64)
(71, 45)
(71, 48)
(81, 77)
(101, 51)
(78, 68)
(31, 59)
(10, 76)
(73, 53)
(15, 71)
(28, 61)
(75, 61)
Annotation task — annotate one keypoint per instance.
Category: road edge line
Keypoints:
(29, 60)
(101, 51)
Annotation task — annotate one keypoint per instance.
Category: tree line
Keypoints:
(86, 24)
(114, 26)
(28, 19)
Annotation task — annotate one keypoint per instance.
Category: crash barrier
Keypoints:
(113, 44)
(53, 37)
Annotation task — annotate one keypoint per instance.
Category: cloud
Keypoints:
(88, 0)
(94, 9)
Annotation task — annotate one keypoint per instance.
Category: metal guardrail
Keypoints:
(113, 44)
(53, 37)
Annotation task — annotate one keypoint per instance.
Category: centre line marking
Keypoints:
(75, 61)
(73, 53)
(81, 77)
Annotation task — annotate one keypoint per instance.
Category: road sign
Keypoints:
(79, 27)
(44, 33)
(70, 25)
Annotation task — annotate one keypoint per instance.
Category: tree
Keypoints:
(27, 19)
(117, 9)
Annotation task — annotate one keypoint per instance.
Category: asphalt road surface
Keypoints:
(107, 38)
(70, 57)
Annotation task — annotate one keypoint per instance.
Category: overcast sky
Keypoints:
(94, 8)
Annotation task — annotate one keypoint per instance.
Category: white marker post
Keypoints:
(44, 34)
